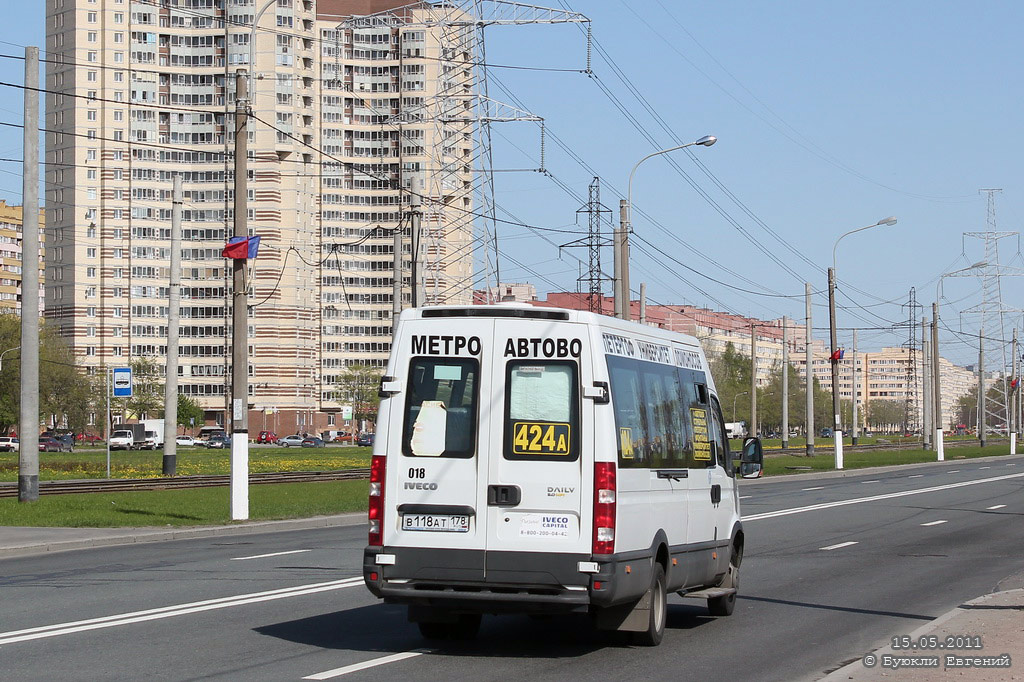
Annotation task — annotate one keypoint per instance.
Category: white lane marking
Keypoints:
(745, 497)
(1011, 465)
(874, 498)
(934, 523)
(869, 481)
(170, 611)
(997, 506)
(980, 468)
(264, 556)
(820, 487)
(916, 476)
(356, 667)
(954, 471)
(841, 544)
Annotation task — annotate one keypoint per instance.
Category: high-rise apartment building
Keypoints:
(340, 136)
(11, 264)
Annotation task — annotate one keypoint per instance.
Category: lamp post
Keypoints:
(837, 432)
(734, 404)
(620, 250)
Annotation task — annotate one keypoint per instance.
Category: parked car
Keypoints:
(51, 444)
(295, 440)
(365, 439)
(266, 437)
(313, 442)
(185, 440)
(344, 437)
(88, 438)
(9, 444)
(219, 440)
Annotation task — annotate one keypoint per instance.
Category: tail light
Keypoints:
(376, 506)
(604, 507)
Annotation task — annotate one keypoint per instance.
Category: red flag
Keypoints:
(837, 355)
(242, 247)
(1014, 382)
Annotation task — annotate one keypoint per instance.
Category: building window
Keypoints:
(91, 36)
(90, 115)
(91, 17)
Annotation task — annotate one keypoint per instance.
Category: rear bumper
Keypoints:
(497, 582)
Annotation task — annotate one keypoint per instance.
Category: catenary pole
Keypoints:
(854, 427)
(837, 426)
(785, 384)
(173, 330)
(981, 386)
(808, 373)
(926, 386)
(1014, 398)
(239, 312)
(28, 424)
(753, 380)
(937, 387)
(417, 292)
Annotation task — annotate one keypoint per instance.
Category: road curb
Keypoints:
(106, 537)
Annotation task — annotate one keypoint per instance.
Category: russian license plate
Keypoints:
(445, 523)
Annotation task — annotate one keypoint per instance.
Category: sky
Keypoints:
(829, 117)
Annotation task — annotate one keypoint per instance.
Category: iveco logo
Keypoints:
(410, 485)
(554, 491)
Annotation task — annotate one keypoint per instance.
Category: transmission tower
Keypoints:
(594, 242)
(992, 311)
(911, 407)
(454, 167)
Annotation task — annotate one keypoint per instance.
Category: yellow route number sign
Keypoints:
(701, 432)
(540, 438)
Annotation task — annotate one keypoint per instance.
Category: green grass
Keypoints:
(775, 465)
(86, 463)
(192, 507)
(820, 442)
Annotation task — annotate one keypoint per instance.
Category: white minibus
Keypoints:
(539, 460)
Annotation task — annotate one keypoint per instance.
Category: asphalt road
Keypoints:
(834, 567)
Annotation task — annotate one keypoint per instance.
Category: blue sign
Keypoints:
(123, 382)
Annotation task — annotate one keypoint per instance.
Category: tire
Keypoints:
(655, 631)
(723, 606)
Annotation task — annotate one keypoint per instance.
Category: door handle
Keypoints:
(503, 495)
(716, 494)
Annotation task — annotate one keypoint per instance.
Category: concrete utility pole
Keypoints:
(785, 385)
(28, 424)
(173, 330)
(926, 389)
(937, 386)
(620, 262)
(809, 373)
(981, 386)
(643, 302)
(416, 285)
(1014, 402)
(239, 312)
(753, 380)
(837, 427)
(854, 427)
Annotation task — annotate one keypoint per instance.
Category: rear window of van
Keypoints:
(440, 418)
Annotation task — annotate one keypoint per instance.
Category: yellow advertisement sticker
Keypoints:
(701, 441)
(626, 442)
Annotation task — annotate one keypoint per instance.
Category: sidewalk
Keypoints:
(22, 541)
(997, 619)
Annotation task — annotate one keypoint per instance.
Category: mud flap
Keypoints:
(625, 617)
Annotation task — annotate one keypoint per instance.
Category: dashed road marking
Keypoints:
(264, 556)
(996, 506)
(372, 663)
(935, 523)
(869, 481)
(840, 545)
(820, 487)
(916, 476)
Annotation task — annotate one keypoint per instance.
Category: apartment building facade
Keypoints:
(11, 264)
(140, 90)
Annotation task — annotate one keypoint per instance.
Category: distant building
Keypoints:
(503, 293)
(11, 221)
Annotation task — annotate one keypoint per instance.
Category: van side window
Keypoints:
(542, 415)
(441, 408)
(721, 438)
(654, 407)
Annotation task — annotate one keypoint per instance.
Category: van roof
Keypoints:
(526, 311)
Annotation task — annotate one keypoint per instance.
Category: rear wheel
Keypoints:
(723, 606)
(655, 631)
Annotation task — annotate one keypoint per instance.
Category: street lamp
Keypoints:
(620, 250)
(834, 357)
(5, 353)
(734, 404)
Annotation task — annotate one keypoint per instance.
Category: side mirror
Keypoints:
(751, 462)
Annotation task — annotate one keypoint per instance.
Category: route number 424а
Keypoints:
(540, 438)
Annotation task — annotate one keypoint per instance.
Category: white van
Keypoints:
(539, 460)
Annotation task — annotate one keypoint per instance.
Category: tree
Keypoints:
(886, 415)
(358, 386)
(731, 371)
(189, 411)
(64, 389)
